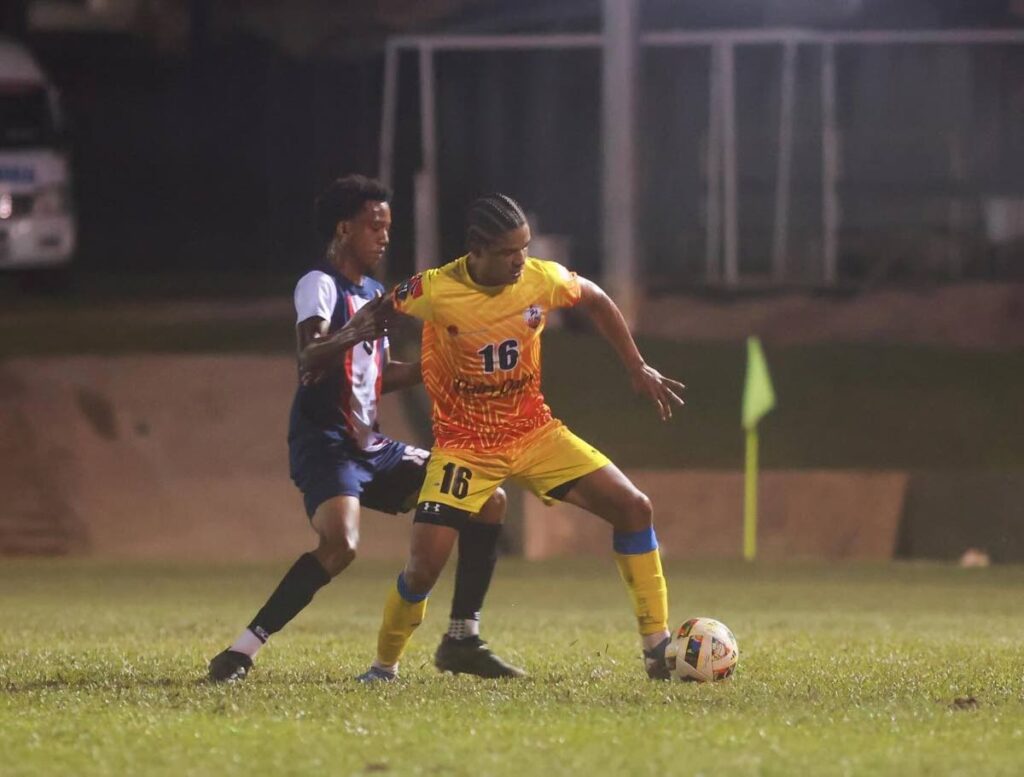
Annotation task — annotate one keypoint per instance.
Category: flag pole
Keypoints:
(750, 499)
(758, 401)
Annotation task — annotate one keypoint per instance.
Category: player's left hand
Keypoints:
(650, 383)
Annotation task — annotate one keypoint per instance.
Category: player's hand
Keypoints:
(386, 308)
(311, 377)
(650, 383)
(370, 322)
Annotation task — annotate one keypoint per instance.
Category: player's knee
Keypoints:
(420, 575)
(499, 501)
(640, 510)
(337, 552)
(494, 509)
(422, 571)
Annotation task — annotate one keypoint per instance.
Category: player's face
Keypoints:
(366, 237)
(503, 259)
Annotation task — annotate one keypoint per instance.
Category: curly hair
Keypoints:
(343, 200)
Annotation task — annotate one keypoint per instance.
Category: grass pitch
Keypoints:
(843, 670)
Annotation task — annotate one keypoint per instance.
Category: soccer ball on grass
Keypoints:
(703, 650)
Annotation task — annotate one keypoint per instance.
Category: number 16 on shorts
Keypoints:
(457, 484)
(456, 480)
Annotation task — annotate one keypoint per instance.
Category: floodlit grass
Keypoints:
(843, 670)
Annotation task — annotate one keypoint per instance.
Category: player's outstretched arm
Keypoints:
(318, 350)
(608, 321)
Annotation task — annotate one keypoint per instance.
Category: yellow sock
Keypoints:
(403, 612)
(642, 574)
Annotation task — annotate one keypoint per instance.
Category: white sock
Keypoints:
(247, 643)
(653, 640)
(391, 668)
(460, 628)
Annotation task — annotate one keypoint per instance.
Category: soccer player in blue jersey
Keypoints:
(339, 459)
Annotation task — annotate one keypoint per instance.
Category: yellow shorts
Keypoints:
(541, 460)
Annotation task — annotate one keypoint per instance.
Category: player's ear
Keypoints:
(342, 229)
(474, 242)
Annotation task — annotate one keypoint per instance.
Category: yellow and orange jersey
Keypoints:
(481, 349)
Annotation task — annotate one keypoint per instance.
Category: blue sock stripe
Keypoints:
(635, 542)
(405, 593)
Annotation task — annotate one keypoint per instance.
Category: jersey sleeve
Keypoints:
(413, 296)
(563, 285)
(315, 296)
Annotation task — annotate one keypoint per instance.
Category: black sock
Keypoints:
(478, 553)
(295, 591)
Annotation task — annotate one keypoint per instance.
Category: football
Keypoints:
(702, 650)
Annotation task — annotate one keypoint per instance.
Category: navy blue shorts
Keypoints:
(387, 480)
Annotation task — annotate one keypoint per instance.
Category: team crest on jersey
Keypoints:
(411, 287)
(533, 315)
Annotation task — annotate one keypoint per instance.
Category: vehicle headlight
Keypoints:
(52, 201)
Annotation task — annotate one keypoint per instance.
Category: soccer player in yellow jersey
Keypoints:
(483, 317)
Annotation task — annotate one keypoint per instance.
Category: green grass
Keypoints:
(853, 406)
(843, 670)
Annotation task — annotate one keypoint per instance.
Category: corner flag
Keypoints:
(758, 394)
(758, 400)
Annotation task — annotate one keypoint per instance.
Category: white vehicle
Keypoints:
(37, 221)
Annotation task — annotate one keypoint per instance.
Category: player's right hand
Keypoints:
(370, 322)
(661, 390)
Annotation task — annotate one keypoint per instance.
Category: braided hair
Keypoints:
(491, 216)
(343, 200)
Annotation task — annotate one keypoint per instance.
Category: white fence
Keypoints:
(723, 217)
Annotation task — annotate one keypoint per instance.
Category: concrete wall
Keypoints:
(159, 457)
(186, 458)
(807, 514)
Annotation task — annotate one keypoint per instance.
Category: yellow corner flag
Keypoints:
(758, 400)
(758, 394)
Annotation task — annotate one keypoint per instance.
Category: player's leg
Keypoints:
(398, 481)
(453, 490)
(560, 465)
(478, 554)
(609, 494)
(337, 523)
(330, 488)
(434, 531)
(462, 651)
(395, 488)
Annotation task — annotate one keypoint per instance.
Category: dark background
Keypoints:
(202, 130)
